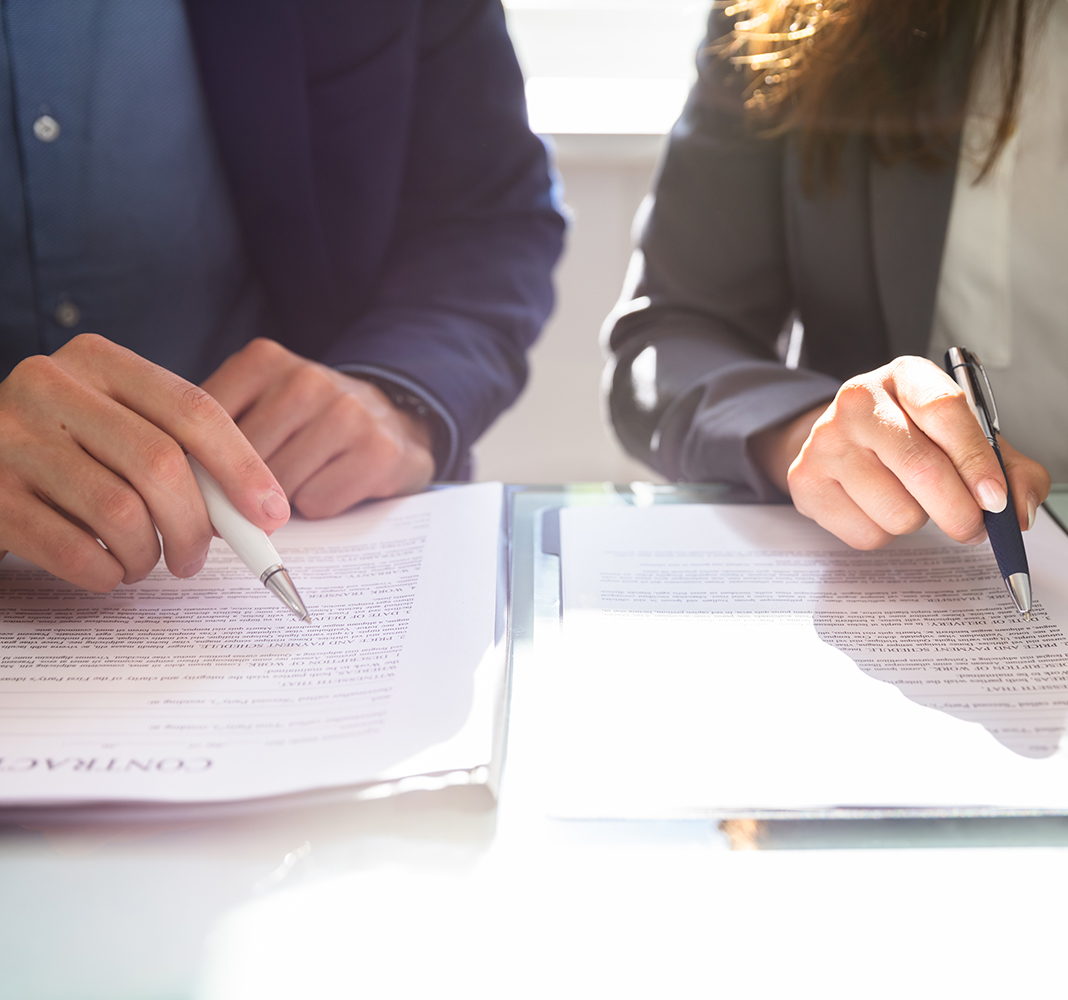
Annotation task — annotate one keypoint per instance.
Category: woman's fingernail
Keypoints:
(1032, 510)
(978, 539)
(275, 505)
(992, 496)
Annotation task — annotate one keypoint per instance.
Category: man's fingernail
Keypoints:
(275, 505)
(1032, 510)
(992, 496)
(191, 569)
(978, 539)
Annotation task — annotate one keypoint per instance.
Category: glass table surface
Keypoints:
(444, 894)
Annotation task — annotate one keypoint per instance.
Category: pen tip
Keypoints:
(308, 618)
(1027, 616)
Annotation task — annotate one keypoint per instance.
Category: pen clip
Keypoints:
(977, 389)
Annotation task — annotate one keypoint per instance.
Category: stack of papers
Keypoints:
(207, 691)
(719, 661)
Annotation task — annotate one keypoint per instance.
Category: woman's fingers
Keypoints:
(1029, 482)
(938, 407)
(833, 508)
(900, 444)
(859, 499)
(924, 474)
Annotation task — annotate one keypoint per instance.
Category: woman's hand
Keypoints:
(896, 446)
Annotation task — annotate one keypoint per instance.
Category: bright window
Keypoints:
(606, 66)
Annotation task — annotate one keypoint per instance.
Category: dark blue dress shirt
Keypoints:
(355, 179)
(115, 215)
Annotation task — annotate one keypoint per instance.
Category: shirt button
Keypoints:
(46, 128)
(67, 314)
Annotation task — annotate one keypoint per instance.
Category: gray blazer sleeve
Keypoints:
(694, 370)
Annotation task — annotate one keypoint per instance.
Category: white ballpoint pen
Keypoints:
(250, 544)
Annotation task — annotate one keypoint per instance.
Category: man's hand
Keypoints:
(896, 446)
(91, 447)
(331, 439)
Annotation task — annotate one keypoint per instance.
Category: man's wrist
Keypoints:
(418, 420)
(424, 414)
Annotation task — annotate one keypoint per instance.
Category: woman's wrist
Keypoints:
(776, 448)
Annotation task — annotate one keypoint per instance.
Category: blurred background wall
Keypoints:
(605, 81)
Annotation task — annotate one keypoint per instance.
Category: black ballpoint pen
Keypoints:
(1003, 528)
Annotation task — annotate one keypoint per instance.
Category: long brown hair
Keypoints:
(898, 71)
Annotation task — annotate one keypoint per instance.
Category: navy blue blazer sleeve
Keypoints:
(695, 370)
(465, 285)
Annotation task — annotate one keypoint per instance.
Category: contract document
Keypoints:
(207, 689)
(728, 660)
